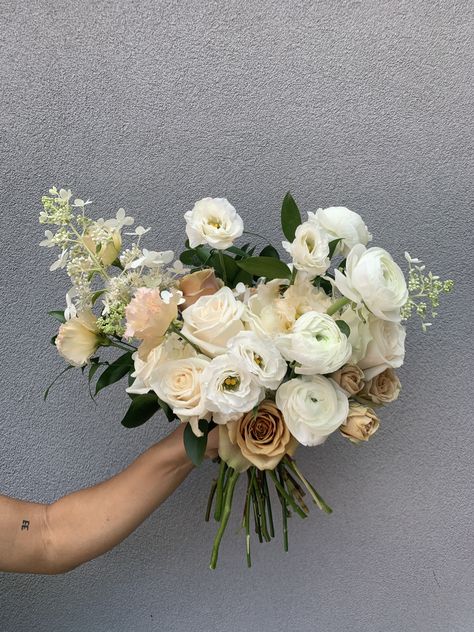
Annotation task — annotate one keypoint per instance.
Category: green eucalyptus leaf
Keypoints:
(142, 408)
(115, 371)
(290, 216)
(196, 446)
(58, 315)
(270, 251)
(265, 267)
(344, 327)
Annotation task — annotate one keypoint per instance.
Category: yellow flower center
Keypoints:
(231, 383)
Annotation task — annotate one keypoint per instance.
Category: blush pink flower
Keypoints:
(148, 318)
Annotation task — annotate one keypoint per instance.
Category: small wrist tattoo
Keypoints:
(25, 525)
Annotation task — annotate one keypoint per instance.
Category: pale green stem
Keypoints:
(337, 305)
(224, 518)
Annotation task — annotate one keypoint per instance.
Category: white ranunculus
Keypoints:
(229, 388)
(178, 383)
(172, 348)
(386, 348)
(313, 407)
(213, 320)
(360, 335)
(261, 358)
(316, 344)
(341, 223)
(309, 249)
(262, 314)
(373, 277)
(78, 338)
(213, 221)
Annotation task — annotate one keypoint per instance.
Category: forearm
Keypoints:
(87, 523)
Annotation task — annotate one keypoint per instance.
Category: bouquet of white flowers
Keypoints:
(275, 354)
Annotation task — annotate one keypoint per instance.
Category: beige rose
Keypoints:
(383, 388)
(258, 438)
(349, 377)
(148, 318)
(107, 250)
(78, 338)
(361, 423)
(197, 284)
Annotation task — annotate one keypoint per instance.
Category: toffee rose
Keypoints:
(361, 423)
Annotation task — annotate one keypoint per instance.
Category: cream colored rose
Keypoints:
(197, 284)
(107, 249)
(149, 317)
(78, 338)
(383, 388)
(212, 321)
(349, 377)
(361, 423)
(178, 383)
(386, 348)
(259, 438)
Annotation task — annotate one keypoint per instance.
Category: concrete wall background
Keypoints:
(151, 105)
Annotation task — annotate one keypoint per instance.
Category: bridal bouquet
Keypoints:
(274, 353)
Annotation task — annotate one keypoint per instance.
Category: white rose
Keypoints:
(386, 349)
(213, 320)
(78, 338)
(313, 407)
(172, 348)
(316, 344)
(229, 388)
(261, 358)
(178, 383)
(373, 277)
(309, 249)
(341, 223)
(360, 335)
(213, 221)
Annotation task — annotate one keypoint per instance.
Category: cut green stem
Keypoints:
(220, 491)
(268, 501)
(337, 305)
(210, 499)
(289, 500)
(229, 493)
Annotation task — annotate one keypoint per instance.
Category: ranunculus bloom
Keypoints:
(212, 321)
(341, 223)
(313, 407)
(259, 438)
(178, 383)
(309, 249)
(316, 344)
(373, 277)
(382, 388)
(386, 348)
(360, 335)
(78, 338)
(213, 221)
(197, 284)
(361, 423)
(149, 317)
(349, 377)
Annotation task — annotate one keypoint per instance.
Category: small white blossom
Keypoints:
(139, 231)
(179, 268)
(70, 311)
(59, 263)
(49, 241)
(121, 220)
(152, 259)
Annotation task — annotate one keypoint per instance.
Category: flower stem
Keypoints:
(261, 505)
(320, 502)
(220, 490)
(269, 504)
(229, 493)
(222, 262)
(210, 499)
(247, 524)
(285, 495)
(337, 305)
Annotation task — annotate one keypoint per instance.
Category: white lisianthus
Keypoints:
(316, 344)
(309, 249)
(229, 388)
(386, 348)
(373, 277)
(213, 221)
(360, 335)
(78, 338)
(178, 384)
(172, 348)
(313, 407)
(341, 223)
(260, 356)
(213, 320)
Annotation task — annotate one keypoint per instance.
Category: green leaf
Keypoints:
(243, 277)
(46, 393)
(270, 251)
(265, 267)
(190, 258)
(96, 295)
(142, 408)
(225, 267)
(58, 315)
(53, 339)
(166, 409)
(332, 246)
(290, 217)
(117, 264)
(196, 446)
(115, 371)
(344, 327)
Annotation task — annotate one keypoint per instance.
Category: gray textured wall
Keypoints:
(152, 105)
